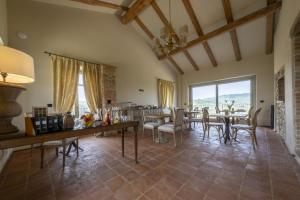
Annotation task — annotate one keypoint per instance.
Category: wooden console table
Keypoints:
(29, 140)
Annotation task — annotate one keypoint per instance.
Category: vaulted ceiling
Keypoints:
(220, 31)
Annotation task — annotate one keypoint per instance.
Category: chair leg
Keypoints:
(77, 148)
(174, 137)
(42, 157)
(204, 130)
(153, 134)
(64, 155)
(208, 132)
(219, 130)
(181, 133)
(56, 151)
(255, 139)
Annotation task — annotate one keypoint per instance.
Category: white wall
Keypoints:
(283, 58)
(4, 155)
(261, 66)
(3, 21)
(88, 35)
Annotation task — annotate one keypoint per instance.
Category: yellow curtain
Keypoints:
(166, 91)
(92, 78)
(65, 74)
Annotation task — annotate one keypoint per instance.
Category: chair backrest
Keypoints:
(254, 119)
(205, 115)
(249, 115)
(178, 119)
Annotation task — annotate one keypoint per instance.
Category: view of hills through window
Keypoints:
(206, 96)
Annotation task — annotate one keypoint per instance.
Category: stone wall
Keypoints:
(109, 85)
(280, 125)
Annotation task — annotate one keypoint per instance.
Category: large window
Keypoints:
(204, 96)
(220, 93)
(81, 106)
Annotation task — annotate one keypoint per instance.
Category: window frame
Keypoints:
(251, 78)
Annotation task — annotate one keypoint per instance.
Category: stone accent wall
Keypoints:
(280, 119)
(280, 105)
(297, 87)
(109, 85)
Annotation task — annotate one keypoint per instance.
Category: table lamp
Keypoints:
(16, 68)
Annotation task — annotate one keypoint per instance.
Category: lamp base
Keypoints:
(9, 108)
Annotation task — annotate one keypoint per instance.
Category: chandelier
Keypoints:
(168, 39)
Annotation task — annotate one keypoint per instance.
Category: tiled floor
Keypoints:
(196, 169)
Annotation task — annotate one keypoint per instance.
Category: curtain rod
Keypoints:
(166, 80)
(49, 53)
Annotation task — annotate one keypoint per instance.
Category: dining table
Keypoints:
(227, 117)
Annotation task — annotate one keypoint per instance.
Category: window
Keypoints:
(81, 106)
(215, 94)
(239, 91)
(204, 96)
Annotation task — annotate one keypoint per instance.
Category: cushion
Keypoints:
(241, 126)
(151, 125)
(168, 128)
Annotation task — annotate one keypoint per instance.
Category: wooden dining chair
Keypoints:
(174, 127)
(150, 124)
(245, 120)
(251, 129)
(57, 144)
(207, 124)
(195, 119)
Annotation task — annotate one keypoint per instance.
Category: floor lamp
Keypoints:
(16, 68)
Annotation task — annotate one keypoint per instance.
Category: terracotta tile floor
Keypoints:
(196, 169)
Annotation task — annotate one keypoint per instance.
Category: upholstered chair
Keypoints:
(174, 127)
(207, 124)
(251, 129)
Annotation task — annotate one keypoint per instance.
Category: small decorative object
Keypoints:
(68, 121)
(107, 120)
(87, 120)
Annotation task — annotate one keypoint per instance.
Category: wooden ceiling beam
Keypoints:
(233, 33)
(134, 10)
(101, 4)
(228, 27)
(188, 6)
(170, 29)
(270, 29)
(151, 36)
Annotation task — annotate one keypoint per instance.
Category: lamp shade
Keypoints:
(17, 65)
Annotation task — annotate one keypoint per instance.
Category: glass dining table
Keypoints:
(227, 118)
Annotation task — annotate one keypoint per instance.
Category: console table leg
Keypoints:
(136, 143)
(122, 142)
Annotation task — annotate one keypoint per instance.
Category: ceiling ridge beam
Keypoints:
(188, 6)
(233, 33)
(228, 27)
(102, 4)
(151, 36)
(135, 10)
(170, 29)
(270, 29)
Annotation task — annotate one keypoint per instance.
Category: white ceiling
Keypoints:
(210, 14)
